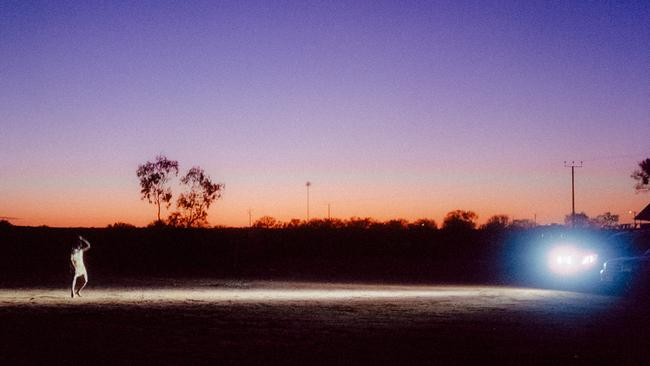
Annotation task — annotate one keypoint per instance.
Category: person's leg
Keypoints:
(74, 284)
(85, 276)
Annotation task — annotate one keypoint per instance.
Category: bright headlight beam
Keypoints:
(568, 260)
(142, 297)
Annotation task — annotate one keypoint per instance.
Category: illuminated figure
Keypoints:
(77, 259)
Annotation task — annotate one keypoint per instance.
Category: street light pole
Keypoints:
(308, 184)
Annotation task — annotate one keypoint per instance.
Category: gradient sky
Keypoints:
(391, 109)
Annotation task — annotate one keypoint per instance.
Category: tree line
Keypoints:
(200, 192)
(457, 220)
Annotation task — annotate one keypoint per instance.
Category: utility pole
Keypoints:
(308, 184)
(250, 217)
(328, 212)
(573, 165)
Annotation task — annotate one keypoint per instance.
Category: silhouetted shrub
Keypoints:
(120, 225)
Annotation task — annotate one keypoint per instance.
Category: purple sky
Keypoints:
(391, 109)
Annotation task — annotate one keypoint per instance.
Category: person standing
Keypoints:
(77, 259)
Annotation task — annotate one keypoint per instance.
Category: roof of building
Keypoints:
(644, 214)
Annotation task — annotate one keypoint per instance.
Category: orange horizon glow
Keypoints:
(410, 200)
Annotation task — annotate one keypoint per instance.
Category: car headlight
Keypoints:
(567, 260)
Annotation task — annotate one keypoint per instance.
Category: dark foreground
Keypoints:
(229, 322)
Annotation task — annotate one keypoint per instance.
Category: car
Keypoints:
(627, 274)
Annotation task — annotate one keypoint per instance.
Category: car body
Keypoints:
(627, 273)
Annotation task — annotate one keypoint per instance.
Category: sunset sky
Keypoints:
(391, 109)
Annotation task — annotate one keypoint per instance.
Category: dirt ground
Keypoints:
(236, 322)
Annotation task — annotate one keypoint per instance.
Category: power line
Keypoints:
(616, 157)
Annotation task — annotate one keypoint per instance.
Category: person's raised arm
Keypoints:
(87, 244)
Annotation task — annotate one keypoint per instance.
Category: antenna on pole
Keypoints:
(573, 165)
(250, 217)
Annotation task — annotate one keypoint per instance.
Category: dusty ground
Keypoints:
(236, 322)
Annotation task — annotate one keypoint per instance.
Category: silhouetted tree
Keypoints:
(293, 223)
(429, 224)
(396, 224)
(642, 176)
(460, 220)
(158, 224)
(266, 222)
(120, 225)
(334, 223)
(496, 223)
(323, 224)
(154, 179)
(580, 220)
(606, 220)
(523, 224)
(314, 223)
(359, 223)
(5, 224)
(193, 204)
